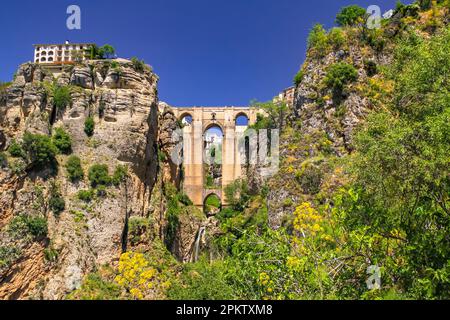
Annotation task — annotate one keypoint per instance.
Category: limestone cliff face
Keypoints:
(123, 103)
(321, 124)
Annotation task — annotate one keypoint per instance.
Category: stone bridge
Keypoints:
(202, 119)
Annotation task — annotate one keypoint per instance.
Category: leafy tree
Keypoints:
(61, 96)
(119, 175)
(89, 126)
(318, 41)
(351, 16)
(62, 141)
(40, 150)
(99, 175)
(16, 150)
(74, 169)
(138, 65)
(340, 74)
(107, 52)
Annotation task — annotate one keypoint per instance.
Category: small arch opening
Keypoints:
(213, 147)
(242, 120)
(186, 120)
(212, 205)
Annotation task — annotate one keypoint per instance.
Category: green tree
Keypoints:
(89, 126)
(340, 74)
(74, 169)
(351, 16)
(61, 96)
(62, 140)
(99, 175)
(40, 150)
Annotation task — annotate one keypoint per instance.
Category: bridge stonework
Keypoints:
(203, 118)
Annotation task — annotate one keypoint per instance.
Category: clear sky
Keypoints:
(206, 52)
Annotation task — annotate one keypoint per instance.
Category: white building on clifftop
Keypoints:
(58, 54)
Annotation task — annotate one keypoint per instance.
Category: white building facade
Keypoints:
(60, 53)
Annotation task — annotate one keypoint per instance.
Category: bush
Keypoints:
(61, 139)
(89, 126)
(23, 226)
(120, 173)
(340, 74)
(138, 65)
(184, 199)
(299, 77)
(16, 150)
(99, 175)
(101, 191)
(74, 169)
(318, 40)
(310, 179)
(86, 195)
(8, 255)
(56, 202)
(351, 16)
(61, 96)
(371, 67)
(40, 150)
(137, 226)
(336, 38)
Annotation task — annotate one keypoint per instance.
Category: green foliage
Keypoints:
(336, 38)
(62, 140)
(184, 199)
(119, 175)
(137, 227)
(371, 67)
(15, 150)
(50, 254)
(96, 287)
(8, 254)
(299, 77)
(202, 281)
(351, 16)
(74, 169)
(138, 65)
(23, 226)
(40, 150)
(95, 53)
(56, 202)
(61, 96)
(400, 195)
(310, 179)
(318, 41)
(99, 175)
(86, 195)
(89, 126)
(340, 74)
(237, 194)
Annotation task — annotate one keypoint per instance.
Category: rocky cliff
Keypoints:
(123, 103)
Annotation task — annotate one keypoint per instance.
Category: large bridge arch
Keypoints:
(203, 118)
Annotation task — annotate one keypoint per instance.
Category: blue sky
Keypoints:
(206, 52)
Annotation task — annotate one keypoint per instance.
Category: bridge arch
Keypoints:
(212, 202)
(241, 119)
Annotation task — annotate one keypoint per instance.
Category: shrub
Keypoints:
(8, 254)
(23, 226)
(18, 166)
(74, 169)
(101, 191)
(310, 179)
(299, 77)
(40, 150)
(99, 175)
(137, 226)
(86, 195)
(184, 199)
(56, 202)
(94, 287)
(318, 40)
(340, 74)
(62, 141)
(351, 15)
(138, 65)
(336, 38)
(371, 67)
(89, 126)
(61, 96)
(16, 150)
(120, 173)
(51, 255)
